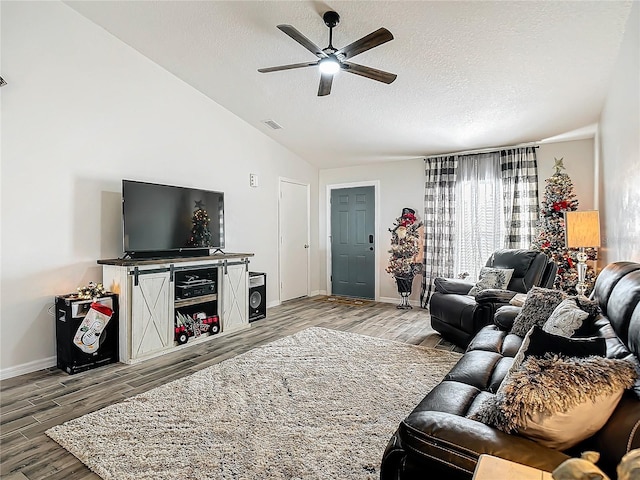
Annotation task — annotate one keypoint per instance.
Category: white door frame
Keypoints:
(308, 187)
(376, 195)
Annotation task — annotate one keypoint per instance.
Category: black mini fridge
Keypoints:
(85, 342)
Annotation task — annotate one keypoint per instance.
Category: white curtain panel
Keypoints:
(479, 219)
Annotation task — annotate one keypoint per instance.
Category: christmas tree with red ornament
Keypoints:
(559, 197)
(405, 245)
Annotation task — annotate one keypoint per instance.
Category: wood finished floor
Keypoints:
(32, 403)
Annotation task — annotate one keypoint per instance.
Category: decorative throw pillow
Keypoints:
(518, 299)
(492, 278)
(566, 319)
(537, 342)
(573, 316)
(558, 401)
(537, 308)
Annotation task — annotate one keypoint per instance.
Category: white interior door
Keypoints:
(294, 240)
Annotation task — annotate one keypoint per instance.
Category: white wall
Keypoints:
(80, 112)
(579, 164)
(619, 139)
(401, 185)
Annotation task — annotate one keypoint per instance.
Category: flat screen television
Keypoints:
(165, 220)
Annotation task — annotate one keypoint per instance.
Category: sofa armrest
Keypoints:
(494, 295)
(505, 316)
(619, 435)
(452, 285)
(458, 442)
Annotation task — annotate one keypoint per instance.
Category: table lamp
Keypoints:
(582, 231)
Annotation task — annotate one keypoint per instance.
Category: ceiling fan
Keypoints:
(332, 60)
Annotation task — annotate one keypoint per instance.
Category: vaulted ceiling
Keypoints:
(471, 75)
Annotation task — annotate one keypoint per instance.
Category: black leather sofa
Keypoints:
(437, 441)
(458, 316)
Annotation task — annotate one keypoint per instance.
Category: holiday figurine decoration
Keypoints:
(200, 233)
(559, 197)
(405, 248)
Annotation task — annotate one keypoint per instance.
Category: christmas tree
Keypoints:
(559, 197)
(200, 234)
(405, 245)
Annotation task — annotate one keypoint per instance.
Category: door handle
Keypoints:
(370, 238)
(306, 246)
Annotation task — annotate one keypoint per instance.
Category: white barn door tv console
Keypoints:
(154, 292)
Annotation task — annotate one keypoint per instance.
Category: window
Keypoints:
(479, 221)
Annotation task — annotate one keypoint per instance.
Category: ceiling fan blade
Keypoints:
(380, 36)
(326, 79)
(372, 73)
(302, 40)
(287, 67)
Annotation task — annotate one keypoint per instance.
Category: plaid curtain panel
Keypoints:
(438, 218)
(519, 170)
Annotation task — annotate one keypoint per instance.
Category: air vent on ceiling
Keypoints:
(272, 124)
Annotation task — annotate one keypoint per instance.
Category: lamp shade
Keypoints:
(582, 229)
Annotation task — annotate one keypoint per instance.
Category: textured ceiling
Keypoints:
(470, 74)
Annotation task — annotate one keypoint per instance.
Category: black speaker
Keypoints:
(82, 345)
(257, 296)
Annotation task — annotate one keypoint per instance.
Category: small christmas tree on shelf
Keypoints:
(559, 197)
(405, 247)
(200, 234)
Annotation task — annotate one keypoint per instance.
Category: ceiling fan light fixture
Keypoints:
(329, 65)
(332, 60)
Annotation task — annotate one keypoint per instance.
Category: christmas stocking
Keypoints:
(87, 336)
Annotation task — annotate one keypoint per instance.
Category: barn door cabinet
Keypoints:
(235, 296)
(150, 301)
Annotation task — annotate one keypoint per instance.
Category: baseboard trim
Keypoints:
(28, 367)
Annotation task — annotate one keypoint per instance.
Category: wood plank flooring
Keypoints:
(32, 403)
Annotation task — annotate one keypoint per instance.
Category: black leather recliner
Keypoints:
(458, 316)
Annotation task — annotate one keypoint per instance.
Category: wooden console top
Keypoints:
(130, 262)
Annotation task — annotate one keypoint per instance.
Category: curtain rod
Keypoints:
(484, 150)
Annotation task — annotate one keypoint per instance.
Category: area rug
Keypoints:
(320, 404)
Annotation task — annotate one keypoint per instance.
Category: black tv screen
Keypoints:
(164, 218)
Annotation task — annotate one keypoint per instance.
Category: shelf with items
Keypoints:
(186, 302)
(195, 283)
(196, 321)
(208, 291)
(196, 303)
